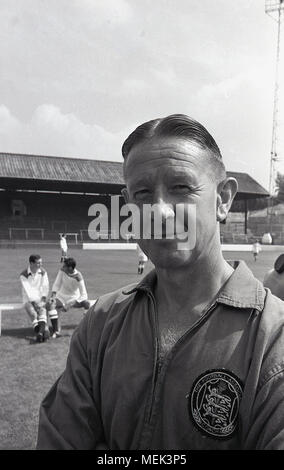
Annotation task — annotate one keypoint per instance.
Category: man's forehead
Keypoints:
(157, 152)
(167, 145)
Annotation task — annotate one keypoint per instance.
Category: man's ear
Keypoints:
(125, 195)
(226, 193)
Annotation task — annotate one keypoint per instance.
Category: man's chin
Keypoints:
(157, 236)
(169, 257)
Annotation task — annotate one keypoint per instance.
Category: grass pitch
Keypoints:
(29, 369)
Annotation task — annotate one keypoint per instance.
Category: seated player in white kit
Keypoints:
(35, 287)
(68, 291)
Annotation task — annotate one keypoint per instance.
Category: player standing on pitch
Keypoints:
(63, 246)
(142, 260)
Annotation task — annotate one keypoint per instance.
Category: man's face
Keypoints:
(36, 265)
(172, 172)
(68, 269)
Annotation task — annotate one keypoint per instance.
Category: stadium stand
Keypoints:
(42, 196)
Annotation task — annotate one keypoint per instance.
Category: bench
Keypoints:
(11, 307)
(18, 306)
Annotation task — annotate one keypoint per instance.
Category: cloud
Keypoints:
(100, 12)
(222, 89)
(106, 64)
(8, 123)
(134, 85)
(51, 132)
(115, 11)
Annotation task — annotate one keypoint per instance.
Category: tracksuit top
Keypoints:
(220, 387)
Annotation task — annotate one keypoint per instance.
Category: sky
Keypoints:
(77, 76)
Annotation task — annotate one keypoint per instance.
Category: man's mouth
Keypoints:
(166, 235)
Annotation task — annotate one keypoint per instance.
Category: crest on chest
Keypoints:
(214, 403)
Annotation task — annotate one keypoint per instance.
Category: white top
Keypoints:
(141, 254)
(63, 244)
(256, 248)
(70, 287)
(34, 285)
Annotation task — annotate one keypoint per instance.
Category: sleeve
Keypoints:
(45, 285)
(69, 416)
(83, 291)
(31, 293)
(263, 399)
(267, 430)
(57, 283)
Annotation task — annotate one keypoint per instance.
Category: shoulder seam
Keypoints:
(271, 374)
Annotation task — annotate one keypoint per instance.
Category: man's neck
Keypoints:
(34, 271)
(197, 284)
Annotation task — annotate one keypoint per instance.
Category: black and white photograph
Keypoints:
(142, 228)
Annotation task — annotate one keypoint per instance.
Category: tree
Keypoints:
(279, 181)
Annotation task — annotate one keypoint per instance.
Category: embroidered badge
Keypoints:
(214, 402)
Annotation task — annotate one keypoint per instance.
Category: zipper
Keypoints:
(158, 365)
(203, 317)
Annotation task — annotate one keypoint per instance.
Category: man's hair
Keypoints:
(279, 264)
(70, 263)
(177, 125)
(34, 258)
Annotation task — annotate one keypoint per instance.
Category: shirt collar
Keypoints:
(72, 274)
(39, 271)
(242, 290)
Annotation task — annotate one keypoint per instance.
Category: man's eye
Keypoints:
(181, 188)
(141, 194)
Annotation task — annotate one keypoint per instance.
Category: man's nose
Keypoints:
(165, 208)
